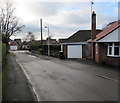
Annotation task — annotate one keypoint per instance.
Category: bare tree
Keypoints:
(29, 37)
(9, 22)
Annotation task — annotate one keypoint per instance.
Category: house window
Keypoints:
(114, 49)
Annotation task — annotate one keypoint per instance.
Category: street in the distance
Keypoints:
(59, 51)
(54, 80)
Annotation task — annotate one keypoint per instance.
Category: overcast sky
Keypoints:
(62, 18)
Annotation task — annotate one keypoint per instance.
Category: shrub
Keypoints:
(3, 52)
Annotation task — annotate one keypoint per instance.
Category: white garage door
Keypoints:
(74, 51)
(13, 47)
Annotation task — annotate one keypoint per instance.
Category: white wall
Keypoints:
(13, 48)
(112, 37)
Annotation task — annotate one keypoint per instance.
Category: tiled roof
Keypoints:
(106, 31)
(80, 36)
(12, 43)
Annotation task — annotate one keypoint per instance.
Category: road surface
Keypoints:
(58, 80)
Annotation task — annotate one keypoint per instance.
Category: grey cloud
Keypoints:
(71, 21)
(76, 19)
(44, 8)
(31, 28)
(61, 30)
(52, 8)
(103, 19)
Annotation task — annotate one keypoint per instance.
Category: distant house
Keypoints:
(51, 41)
(106, 45)
(18, 41)
(62, 40)
(13, 45)
(25, 45)
(45, 42)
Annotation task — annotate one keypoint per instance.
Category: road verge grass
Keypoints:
(4, 77)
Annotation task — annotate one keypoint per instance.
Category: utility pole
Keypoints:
(41, 36)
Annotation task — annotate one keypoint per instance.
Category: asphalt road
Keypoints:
(58, 80)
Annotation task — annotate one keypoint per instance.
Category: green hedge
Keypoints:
(2, 51)
(35, 46)
(54, 49)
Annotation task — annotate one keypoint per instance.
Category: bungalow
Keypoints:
(13, 45)
(106, 45)
(75, 47)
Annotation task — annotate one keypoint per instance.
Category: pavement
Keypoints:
(53, 79)
(15, 84)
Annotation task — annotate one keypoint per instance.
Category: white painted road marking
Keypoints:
(108, 78)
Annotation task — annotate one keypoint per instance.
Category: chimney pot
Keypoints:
(93, 12)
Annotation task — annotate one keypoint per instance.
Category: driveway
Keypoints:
(64, 80)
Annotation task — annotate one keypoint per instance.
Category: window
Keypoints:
(110, 50)
(114, 49)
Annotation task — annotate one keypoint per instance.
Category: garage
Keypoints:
(13, 48)
(74, 51)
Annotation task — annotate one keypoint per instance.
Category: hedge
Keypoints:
(54, 49)
(2, 52)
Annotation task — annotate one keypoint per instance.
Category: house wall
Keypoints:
(13, 47)
(96, 53)
(65, 51)
(100, 52)
(115, 61)
(84, 51)
(101, 55)
(88, 50)
(92, 50)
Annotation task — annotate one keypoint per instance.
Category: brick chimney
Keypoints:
(93, 26)
(93, 34)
